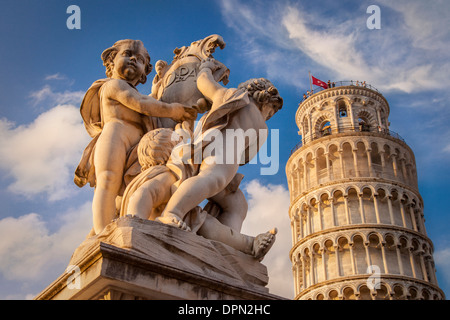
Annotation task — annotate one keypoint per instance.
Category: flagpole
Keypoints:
(310, 83)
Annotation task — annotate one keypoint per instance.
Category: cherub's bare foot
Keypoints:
(263, 242)
(173, 220)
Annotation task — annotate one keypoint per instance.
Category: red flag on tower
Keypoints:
(319, 83)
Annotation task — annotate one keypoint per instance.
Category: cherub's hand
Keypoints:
(182, 112)
(209, 63)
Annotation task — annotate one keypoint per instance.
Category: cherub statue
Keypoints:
(151, 190)
(113, 112)
(246, 108)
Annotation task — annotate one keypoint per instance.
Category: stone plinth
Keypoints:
(140, 259)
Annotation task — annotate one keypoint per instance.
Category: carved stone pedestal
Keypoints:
(141, 260)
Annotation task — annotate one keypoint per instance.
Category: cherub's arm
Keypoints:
(209, 87)
(122, 92)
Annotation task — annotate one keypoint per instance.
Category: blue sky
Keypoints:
(46, 68)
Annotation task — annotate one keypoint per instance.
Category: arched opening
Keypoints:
(314, 219)
(345, 260)
(405, 258)
(359, 253)
(383, 206)
(363, 124)
(368, 205)
(318, 263)
(339, 208)
(391, 255)
(361, 159)
(342, 109)
(399, 293)
(330, 262)
(325, 128)
(349, 294)
(364, 293)
(375, 253)
(382, 293)
(333, 295)
(347, 157)
(335, 165)
(321, 162)
(353, 206)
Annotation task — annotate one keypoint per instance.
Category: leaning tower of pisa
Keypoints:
(356, 213)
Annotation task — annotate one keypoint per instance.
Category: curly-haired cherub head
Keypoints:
(263, 93)
(128, 50)
(156, 146)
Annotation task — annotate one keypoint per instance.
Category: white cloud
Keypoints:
(442, 260)
(46, 94)
(56, 76)
(41, 157)
(269, 208)
(32, 255)
(424, 22)
(407, 54)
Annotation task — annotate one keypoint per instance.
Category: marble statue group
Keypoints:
(147, 157)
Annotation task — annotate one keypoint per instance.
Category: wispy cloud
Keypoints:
(49, 96)
(56, 76)
(41, 157)
(442, 260)
(402, 56)
(268, 208)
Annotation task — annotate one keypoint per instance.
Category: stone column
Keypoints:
(316, 165)
(324, 267)
(361, 208)
(379, 117)
(299, 179)
(399, 259)
(369, 162)
(338, 264)
(306, 173)
(424, 269)
(402, 212)
(352, 119)
(375, 203)
(294, 231)
(413, 218)
(302, 259)
(352, 258)
(394, 164)
(341, 160)
(327, 159)
(383, 164)
(333, 219)
(347, 213)
(411, 260)
(302, 219)
(383, 253)
(319, 211)
(368, 259)
(391, 213)
(308, 220)
(355, 162)
(311, 268)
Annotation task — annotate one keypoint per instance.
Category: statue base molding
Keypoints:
(136, 259)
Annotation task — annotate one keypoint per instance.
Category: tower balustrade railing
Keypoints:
(349, 129)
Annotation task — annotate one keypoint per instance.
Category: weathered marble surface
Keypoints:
(134, 258)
